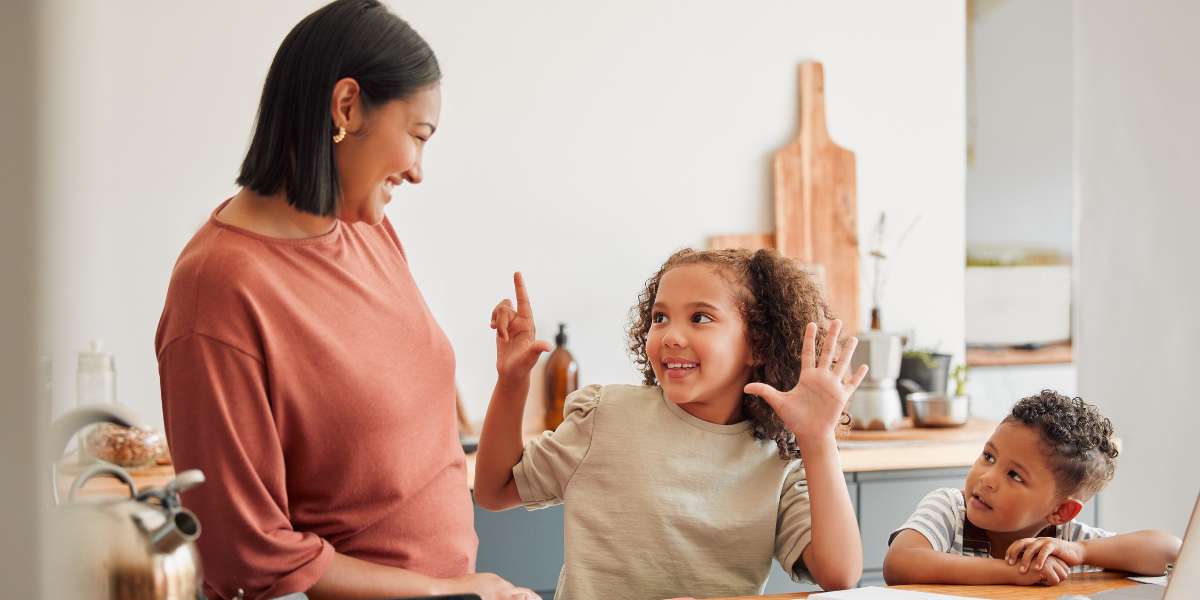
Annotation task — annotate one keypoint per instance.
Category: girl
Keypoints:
(687, 485)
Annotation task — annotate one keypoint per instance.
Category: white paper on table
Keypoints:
(879, 593)
(1160, 580)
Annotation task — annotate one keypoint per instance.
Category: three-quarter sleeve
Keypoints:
(219, 420)
(793, 528)
(547, 463)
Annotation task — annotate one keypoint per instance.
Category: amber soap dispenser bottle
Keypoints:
(562, 378)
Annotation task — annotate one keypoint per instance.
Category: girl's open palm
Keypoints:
(814, 407)
(517, 346)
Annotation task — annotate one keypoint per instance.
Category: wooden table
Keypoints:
(1078, 583)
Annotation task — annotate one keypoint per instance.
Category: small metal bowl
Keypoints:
(929, 409)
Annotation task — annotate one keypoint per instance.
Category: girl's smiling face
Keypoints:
(1011, 487)
(697, 343)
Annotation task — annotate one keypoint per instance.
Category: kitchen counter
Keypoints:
(861, 451)
(69, 468)
(886, 472)
(905, 448)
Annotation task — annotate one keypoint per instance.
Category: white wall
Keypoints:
(1138, 119)
(579, 142)
(1019, 189)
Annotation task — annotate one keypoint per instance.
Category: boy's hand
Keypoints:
(1034, 552)
(814, 407)
(1054, 571)
(517, 346)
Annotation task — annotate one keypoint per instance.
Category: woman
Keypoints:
(300, 367)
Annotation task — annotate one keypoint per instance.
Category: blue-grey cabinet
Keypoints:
(524, 547)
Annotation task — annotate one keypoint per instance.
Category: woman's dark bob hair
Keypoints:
(292, 147)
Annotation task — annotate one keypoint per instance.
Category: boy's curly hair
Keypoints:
(779, 299)
(1078, 437)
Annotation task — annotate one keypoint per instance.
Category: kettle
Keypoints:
(112, 547)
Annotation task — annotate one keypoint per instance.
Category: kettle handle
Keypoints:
(98, 470)
(65, 427)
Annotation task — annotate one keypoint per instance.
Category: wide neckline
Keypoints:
(325, 238)
(698, 423)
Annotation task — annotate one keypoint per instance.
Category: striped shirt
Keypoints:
(941, 518)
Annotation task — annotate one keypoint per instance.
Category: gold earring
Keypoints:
(341, 134)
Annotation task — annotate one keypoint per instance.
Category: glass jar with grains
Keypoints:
(96, 383)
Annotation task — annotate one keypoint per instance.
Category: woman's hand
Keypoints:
(488, 586)
(814, 407)
(517, 346)
(349, 577)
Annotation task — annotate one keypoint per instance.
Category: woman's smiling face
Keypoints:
(384, 152)
(697, 342)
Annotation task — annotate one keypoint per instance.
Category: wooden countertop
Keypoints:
(906, 448)
(914, 447)
(1078, 583)
(69, 468)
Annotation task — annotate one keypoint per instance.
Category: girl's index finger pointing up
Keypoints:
(523, 308)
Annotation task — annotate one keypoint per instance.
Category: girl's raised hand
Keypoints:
(517, 346)
(814, 407)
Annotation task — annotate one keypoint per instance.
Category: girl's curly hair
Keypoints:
(1077, 437)
(778, 301)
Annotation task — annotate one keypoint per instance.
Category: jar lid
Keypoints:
(96, 359)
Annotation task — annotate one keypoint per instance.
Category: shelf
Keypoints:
(1050, 354)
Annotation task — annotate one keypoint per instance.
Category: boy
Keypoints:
(1013, 523)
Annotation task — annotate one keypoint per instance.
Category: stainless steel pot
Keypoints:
(932, 409)
(111, 547)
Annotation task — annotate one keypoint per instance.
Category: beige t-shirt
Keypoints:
(661, 504)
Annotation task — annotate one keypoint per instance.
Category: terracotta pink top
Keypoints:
(309, 381)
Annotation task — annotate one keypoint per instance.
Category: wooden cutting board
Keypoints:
(816, 207)
(976, 430)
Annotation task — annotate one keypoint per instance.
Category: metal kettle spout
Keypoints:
(181, 527)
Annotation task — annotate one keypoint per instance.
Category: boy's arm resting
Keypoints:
(912, 559)
(500, 446)
(1145, 552)
(834, 554)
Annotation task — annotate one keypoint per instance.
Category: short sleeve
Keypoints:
(793, 527)
(1078, 532)
(937, 519)
(548, 462)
